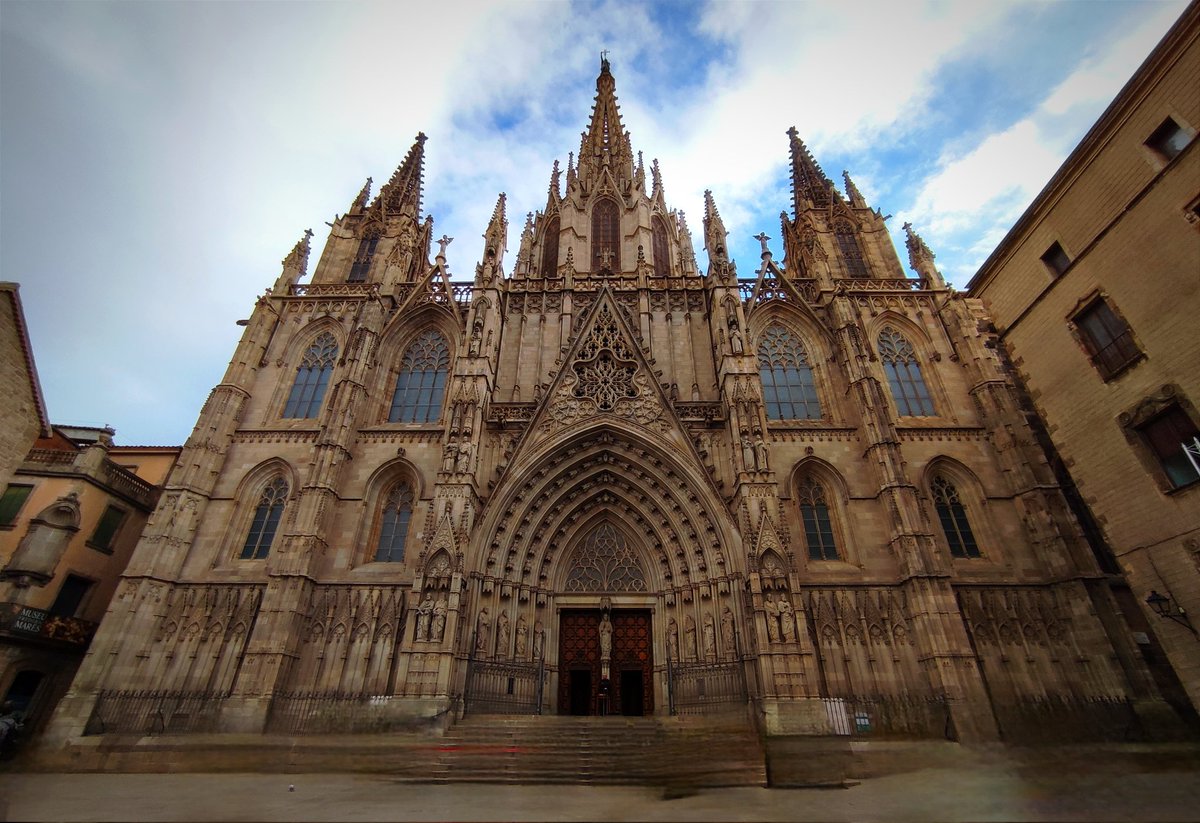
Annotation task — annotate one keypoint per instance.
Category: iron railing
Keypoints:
(151, 712)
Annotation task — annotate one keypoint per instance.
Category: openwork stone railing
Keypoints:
(335, 290)
(51, 457)
(882, 284)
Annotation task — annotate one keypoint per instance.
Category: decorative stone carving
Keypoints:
(787, 620)
(728, 642)
(689, 637)
(483, 627)
(672, 640)
(424, 616)
(502, 634)
(437, 632)
(522, 638)
(772, 620)
(605, 562)
(710, 638)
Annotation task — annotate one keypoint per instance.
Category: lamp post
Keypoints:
(1165, 606)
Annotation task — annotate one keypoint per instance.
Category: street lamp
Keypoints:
(1165, 606)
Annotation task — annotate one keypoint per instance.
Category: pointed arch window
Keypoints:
(312, 378)
(421, 383)
(394, 518)
(550, 248)
(606, 236)
(847, 243)
(818, 529)
(904, 375)
(661, 248)
(266, 520)
(363, 258)
(789, 390)
(953, 516)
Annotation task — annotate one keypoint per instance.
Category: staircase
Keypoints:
(680, 752)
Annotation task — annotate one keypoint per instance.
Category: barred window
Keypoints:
(818, 530)
(550, 248)
(362, 259)
(606, 236)
(421, 382)
(1175, 441)
(393, 524)
(312, 378)
(1107, 338)
(953, 517)
(843, 233)
(266, 520)
(789, 390)
(904, 375)
(660, 248)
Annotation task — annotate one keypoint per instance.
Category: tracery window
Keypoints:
(606, 236)
(266, 520)
(818, 530)
(660, 248)
(953, 517)
(394, 518)
(843, 233)
(312, 378)
(904, 375)
(421, 382)
(605, 562)
(789, 390)
(362, 259)
(550, 248)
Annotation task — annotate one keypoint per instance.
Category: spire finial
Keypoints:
(920, 258)
(402, 193)
(442, 242)
(762, 238)
(364, 196)
(810, 187)
(714, 229)
(852, 193)
(295, 265)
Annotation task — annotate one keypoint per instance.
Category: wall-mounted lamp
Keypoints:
(1165, 606)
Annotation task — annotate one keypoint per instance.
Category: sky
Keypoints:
(159, 159)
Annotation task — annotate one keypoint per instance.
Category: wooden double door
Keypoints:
(582, 687)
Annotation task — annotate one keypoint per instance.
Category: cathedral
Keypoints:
(602, 478)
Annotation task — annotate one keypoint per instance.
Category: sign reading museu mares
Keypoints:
(601, 479)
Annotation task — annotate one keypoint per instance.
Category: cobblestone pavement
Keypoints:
(981, 785)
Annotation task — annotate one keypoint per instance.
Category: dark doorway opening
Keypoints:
(581, 691)
(582, 686)
(633, 694)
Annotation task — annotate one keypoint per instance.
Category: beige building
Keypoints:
(1096, 295)
(600, 478)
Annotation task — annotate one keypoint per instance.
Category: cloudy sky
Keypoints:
(159, 159)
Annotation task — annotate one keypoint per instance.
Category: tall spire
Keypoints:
(554, 194)
(852, 193)
(920, 257)
(605, 142)
(714, 229)
(364, 196)
(810, 187)
(295, 265)
(495, 239)
(403, 192)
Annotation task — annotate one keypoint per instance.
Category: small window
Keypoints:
(362, 259)
(70, 596)
(393, 524)
(904, 375)
(953, 517)
(266, 521)
(312, 378)
(550, 248)
(1175, 441)
(1056, 259)
(107, 528)
(789, 391)
(818, 530)
(856, 267)
(11, 503)
(1168, 140)
(1107, 338)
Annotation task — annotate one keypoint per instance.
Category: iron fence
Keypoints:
(504, 687)
(320, 713)
(149, 712)
(1059, 718)
(890, 716)
(703, 687)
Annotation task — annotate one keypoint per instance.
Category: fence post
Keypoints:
(670, 687)
(470, 673)
(541, 680)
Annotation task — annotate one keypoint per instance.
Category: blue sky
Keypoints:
(158, 160)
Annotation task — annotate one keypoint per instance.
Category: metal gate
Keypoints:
(504, 687)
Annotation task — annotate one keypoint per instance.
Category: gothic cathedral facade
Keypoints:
(606, 480)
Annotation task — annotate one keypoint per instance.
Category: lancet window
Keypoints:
(606, 236)
(789, 390)
(421, 383)
(660, 248)
(818, 529)
(953, 516)
(363, 258)
(847, 243)
(312, 378)
(904, 375)
(394, 517)
(550, 248)
(266, 520)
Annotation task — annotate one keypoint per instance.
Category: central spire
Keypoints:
(605, 143)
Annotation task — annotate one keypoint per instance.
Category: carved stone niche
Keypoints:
(43, 545)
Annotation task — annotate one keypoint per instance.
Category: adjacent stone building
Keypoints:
(21, 405)
(1095, 293)
(602, 478)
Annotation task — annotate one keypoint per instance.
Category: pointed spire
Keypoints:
(685, 243)
(360, 202)
(605, 142)
(656, 178)
(810, 187)
(852, 193)
(495, 239)
(920, 258)
(639, 174)
(526, 251)
(714, 229)
(554, 193)
(402, 193)
(571, 178)
(295, 265)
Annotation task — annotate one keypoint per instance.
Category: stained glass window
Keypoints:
(393, 524)
(660, 248)
(843, 232)
(362, 260)
(789, 391)
(604, 562)
(606, 236)
(954, 519)
(550, 248)
(904, 375)
(818, 531)
(421, 382)
(266, 520)
(312, 378)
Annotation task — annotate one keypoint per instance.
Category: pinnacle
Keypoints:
(852, 193)
(403, 191)
(810, 186)
(364, 196)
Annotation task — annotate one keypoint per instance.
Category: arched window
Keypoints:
(789, 390)
(266, 520)
(954, 519)
(606, 236)
(843, 232)
(661, 248)
(312, 378)
(904, 375)
(818, 531)
(550, 248)
(422, 380)
(393, 524)
(362, 259)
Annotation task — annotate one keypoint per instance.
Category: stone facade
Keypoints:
(1105, 338)
(21, 406)
(410, 497)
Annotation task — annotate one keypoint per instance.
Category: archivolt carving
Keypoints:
(604, 562)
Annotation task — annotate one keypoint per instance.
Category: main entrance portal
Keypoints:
(582, 687)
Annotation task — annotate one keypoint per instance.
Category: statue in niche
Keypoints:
(424, 614)
(689, 637)
(522, 637)
(438, 632)
(483, 627)
(788, 620)
(539, 640)
(727, 636)
(502, 634)
(448, 455)
(748, 458)
(735, 336)
(183, 520)
(672, 639)
(760, 450)
(463, 463)
(710, 637)
(476, 338)
(772, 620)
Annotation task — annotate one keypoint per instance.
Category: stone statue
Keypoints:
(502, 634)
(748, 457)
(606, 632)
(760, 450)
(483, 627)
(672, 639)
(424, 614)
(772, 621)
(539, 640)
(689, 637)
(735, 341)
(463, 464)
(788, 620)
(448, 455)
(476, 337)
(727, 637)
(710, 637)
(522, 637)
(438, 632)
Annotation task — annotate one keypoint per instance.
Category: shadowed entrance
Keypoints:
(582, 689)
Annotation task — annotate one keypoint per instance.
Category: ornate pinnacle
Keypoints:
(810, 187)
(295, 265)
(714, 229)
(605, 142)
(656, 176)
(364, 196)
(570, 168)
(554, 194)
(762, 238)
(403, 191)
(852, 193)
(496, 237)
(639, 174)
(920, 258)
